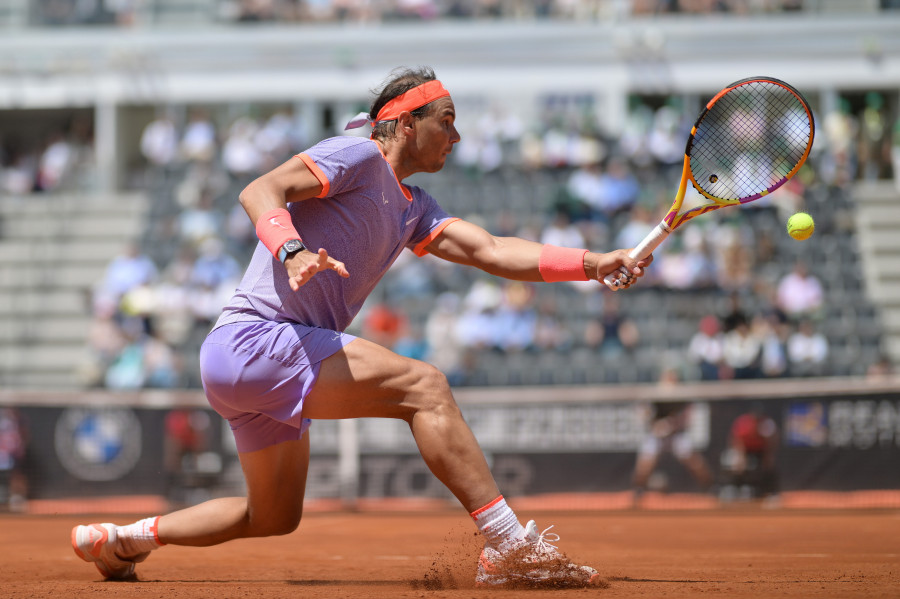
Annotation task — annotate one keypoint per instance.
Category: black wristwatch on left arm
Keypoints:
(290, 247)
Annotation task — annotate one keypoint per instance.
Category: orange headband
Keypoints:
(417, 97)
(410, 100)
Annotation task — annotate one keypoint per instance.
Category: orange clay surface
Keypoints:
(720, 553)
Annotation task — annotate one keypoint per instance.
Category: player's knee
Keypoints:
(275, 524)
(425, 379)
(432, 389)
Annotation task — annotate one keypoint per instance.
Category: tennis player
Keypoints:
(331, 221)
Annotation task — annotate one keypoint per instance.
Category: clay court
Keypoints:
(747, 552)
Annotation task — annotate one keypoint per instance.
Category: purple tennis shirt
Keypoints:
(364, 217)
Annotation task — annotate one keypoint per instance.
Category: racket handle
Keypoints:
(643, 249)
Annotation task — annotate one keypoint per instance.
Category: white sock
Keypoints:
(499, 525)
(138, 538)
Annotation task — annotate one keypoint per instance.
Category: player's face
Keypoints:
(436, 135)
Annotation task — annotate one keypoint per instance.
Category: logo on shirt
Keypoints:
(384, 198)
(411, 220)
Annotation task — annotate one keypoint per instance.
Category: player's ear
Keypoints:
(406, 122)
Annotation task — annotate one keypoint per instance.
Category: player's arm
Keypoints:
(265, 200)
(519, 259)
(291, 181)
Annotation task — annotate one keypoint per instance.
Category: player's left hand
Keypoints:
(302, 266)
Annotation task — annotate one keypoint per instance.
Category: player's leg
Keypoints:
(367, 380)
(276, 483)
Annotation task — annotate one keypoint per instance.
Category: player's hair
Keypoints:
(401, 81)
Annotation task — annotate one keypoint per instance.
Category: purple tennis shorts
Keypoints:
(256, 375)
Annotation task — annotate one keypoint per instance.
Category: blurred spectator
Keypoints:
(145, 361)
(668, 431)
(477, 326)
(800, 294)
(772, 330)
(882, 367)
(634, 140)
(162, 368)
(277, 139)
(516, 318)
(585, 186)
(874, 139)
(734, 270)
(706, 348)
(159, 141)
(55, 163)
(13, 454)
(383, 325)
(127, 271)
(619, 189)
(198, 142)
(412, 343)
(667, 136)
(639, 224)
(840, 128)
(685, 262)
(201, 222)
(240, 155)
(807, 350)
(742, 350)
(105, 342)
(410, 278)
(127, 370)
(191, 465)
(551, 332)
(612, 333)
(562, 232)
(750, 458)
(19, 175)
(215, 267)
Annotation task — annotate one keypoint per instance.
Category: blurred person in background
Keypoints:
(750, 458)
(159, 142)
(127, 271)
(807, 350)
(13, 453)
(668, 424)
(279, 357)
(800, 294)
(706, 348)
(742, 350)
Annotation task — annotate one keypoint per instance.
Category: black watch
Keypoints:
(291, 246)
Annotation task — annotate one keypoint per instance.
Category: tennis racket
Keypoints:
(750, 139)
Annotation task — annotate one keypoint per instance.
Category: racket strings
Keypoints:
(749, 141)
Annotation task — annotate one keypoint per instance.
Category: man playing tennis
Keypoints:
(331, 221)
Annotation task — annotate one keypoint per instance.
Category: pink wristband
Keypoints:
(562, 264)
(274, 228)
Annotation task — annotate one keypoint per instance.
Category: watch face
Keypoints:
(292, 245)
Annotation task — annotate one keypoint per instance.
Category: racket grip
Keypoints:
(642, 250)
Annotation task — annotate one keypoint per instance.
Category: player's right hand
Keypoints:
(302, 266)
(622, 270)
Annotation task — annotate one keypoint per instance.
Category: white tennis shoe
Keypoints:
(533, 562)
(97, 543)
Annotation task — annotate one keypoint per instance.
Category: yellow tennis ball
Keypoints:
(800, 226)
